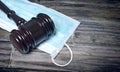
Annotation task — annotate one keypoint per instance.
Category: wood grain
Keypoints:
(95, 43)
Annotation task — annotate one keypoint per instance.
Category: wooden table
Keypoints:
(95, 43)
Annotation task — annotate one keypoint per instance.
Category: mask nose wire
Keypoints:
(71, 57)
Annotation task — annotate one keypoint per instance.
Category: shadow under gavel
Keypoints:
(30, 33)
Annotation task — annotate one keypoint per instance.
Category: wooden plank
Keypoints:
(5, 48)
(4, 35)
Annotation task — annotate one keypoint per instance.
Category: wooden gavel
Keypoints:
(30, 33)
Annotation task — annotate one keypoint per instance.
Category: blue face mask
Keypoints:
(65, 26)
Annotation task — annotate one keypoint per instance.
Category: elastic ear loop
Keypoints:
(71, 53)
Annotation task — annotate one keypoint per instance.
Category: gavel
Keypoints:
(30, 33)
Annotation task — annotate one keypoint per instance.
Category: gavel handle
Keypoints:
(11, 14)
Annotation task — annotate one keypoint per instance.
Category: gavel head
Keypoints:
(32, 33)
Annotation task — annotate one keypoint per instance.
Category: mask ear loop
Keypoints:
(71, 53)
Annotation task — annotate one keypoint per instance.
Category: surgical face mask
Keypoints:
(65, 26)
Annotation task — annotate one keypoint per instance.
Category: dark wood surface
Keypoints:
(95, 43)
